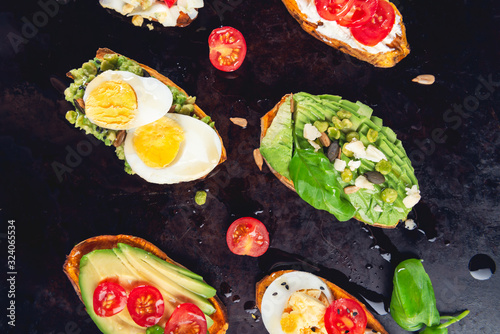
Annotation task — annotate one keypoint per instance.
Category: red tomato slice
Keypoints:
(332, 10)
(109, 299)
(186, 318)
(345, 316)
(227, 49)
(378, 27)
(360, 13)
(247, 236)
(145, 305)
(170, 3)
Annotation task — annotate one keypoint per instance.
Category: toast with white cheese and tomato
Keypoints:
(129, 285)
(340, 158)
(296, 302)
(370, 30)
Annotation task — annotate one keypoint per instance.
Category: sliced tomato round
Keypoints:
(360, 13)
(109, 299)
(145, 305)
(247, 236)
(227, 49)
(345, 316)
(332, 10)
(170, 3)
(187, 318)
(378, 27)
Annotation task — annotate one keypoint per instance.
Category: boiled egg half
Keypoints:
(175, 148)
(120, 100)
(296, 303)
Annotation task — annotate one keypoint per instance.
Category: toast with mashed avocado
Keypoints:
(339, 158)
(106, 265)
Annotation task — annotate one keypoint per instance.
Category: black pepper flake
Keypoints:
(284, 283)
(81, 87)
(287, 287)
(347, 331)
(275, 294)
(313, 329)
(321, 288)
(338, 311)
(97, 61)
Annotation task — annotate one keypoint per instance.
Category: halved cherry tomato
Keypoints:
(247, 236)
(109, 299)
(378, 27)
(345, 316)
(170, 3)
(186, 318)
(332, 10)
(227, 48)
(360, 13)
(145, 305)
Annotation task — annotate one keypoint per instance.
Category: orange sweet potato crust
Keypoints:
(337, 292)
(72, 268)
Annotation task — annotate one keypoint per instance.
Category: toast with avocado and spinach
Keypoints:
(340, 158)
(132, 262)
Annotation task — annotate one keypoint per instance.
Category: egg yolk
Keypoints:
(158, 143)
(112, 104)
(304, 313)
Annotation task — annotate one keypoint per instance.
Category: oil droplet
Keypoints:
(482, 267)
(226, 290)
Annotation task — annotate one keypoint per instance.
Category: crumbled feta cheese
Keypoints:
(353, 165)
(339, 165)
(357, 148)
(137, 20)
(412, 197)
(311, 132)
(315, 145)
(127, 9)
(377, 208)
(410, 224)
(362, 182)
(374, 154)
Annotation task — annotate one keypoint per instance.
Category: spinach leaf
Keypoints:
(413, 303)
(316, 182)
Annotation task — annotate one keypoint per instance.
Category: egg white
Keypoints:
(154, 98)
(198, 154)
(279, 291)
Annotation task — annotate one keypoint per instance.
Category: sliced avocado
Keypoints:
(390, 134)
(173, 272)
(151, 274)
(364, 110)
(377, 121)
(95, 267)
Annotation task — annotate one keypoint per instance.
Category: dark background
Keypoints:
(450, 131)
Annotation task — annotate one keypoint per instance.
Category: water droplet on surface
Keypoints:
(226, 289)
(236, 299)
(379, 306)
(250, 307)
(368, 266)
(482, 267)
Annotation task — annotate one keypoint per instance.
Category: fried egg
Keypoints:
(176, 148)
(120, 100)
(295, 302)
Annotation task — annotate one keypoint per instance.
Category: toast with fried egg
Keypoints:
(313, 295)
(386, 53)
(72, 268)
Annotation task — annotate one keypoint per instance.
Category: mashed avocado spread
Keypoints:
(372, 180)
(82, 76)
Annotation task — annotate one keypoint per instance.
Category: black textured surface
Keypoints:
(455, 154)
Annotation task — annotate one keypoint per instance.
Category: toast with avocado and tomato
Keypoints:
(370, 30)
(299, 302)
(168, 13)
(128, 285)
(339, 158)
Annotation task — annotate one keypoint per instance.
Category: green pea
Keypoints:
(321, 125)
(71, 116)
(156, 329)
(372, 135)
(346, 152)
(89, 68)
(384, 167)
(346, 123)
(107, 65)
(343, 114)
(201, 197)
(389, 195)
(333, 133)
(351, 135)
(346, 175)
(337, 122)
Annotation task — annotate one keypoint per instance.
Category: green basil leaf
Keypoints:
(413, 303)
(316, 182)
(434, 330)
